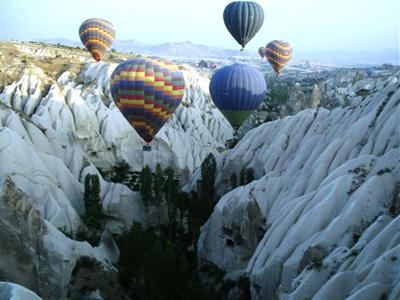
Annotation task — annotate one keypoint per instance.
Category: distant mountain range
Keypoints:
(196, 51)
(180, 49)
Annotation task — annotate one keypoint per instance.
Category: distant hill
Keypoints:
(190, 50)
(179, 49)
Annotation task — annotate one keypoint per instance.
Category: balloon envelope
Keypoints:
(147, 92)
(97, 35)
(278, 53)
(237, 90)
(243, 19)
(261, 51)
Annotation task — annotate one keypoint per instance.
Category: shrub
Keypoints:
(120, 173)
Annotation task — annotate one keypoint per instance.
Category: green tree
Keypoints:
(121, 172)
(93, 211)
(208, 173)
(93, 208)
(182, 203)
(203, 205)
(249, 175)
(169, 186)
(233, 180)
(146, 185)
(134, 181)
(171, 189)
(158, 184)
(243, 176)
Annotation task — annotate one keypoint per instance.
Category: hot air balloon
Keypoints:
(97, 35)
(278, 53)
(147, 92)
(237, 90)
(243, 19)
(261, 51)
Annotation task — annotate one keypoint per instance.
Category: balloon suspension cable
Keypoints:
(236, 130)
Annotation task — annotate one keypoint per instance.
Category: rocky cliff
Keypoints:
(58, 124)
(322, 218)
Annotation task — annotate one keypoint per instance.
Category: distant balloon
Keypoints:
(147, 92)
(243, 19)
(237, 90)
(97, 35)
(278, 53)
(261, 51)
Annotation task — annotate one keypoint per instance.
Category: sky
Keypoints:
(306, 24)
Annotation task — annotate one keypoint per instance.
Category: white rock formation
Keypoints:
(50, 141)
(34, 252)
(322, 220)
(316, 96)
(350, 88)
(12, 291)
(196, 129)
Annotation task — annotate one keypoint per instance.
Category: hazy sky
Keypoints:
(307, 24)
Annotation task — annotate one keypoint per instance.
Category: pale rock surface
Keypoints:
(316, 96)
(12, 291)
(54, 133)
(196, 129)
(35, 253)
(322, 220)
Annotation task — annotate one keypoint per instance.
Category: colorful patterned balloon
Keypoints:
(237, 90)
(97, 35)
(278, 53)
(147, 92)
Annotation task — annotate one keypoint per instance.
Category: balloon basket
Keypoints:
(146, 148)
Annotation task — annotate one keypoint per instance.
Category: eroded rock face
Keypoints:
(33, 252)
(22, 231)
(325, 198)
(12, 291)
(91, 281)
(322, 218)
(55, 132)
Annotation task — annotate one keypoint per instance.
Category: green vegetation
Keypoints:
(249, 175)
(243, 176)
(278, 91)
(234, 181)
(158, 183)
(121, 172)
(152, 266)
(146, 185)
(68, 233)
(93, 211)
(160, 262)
(246, 176)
